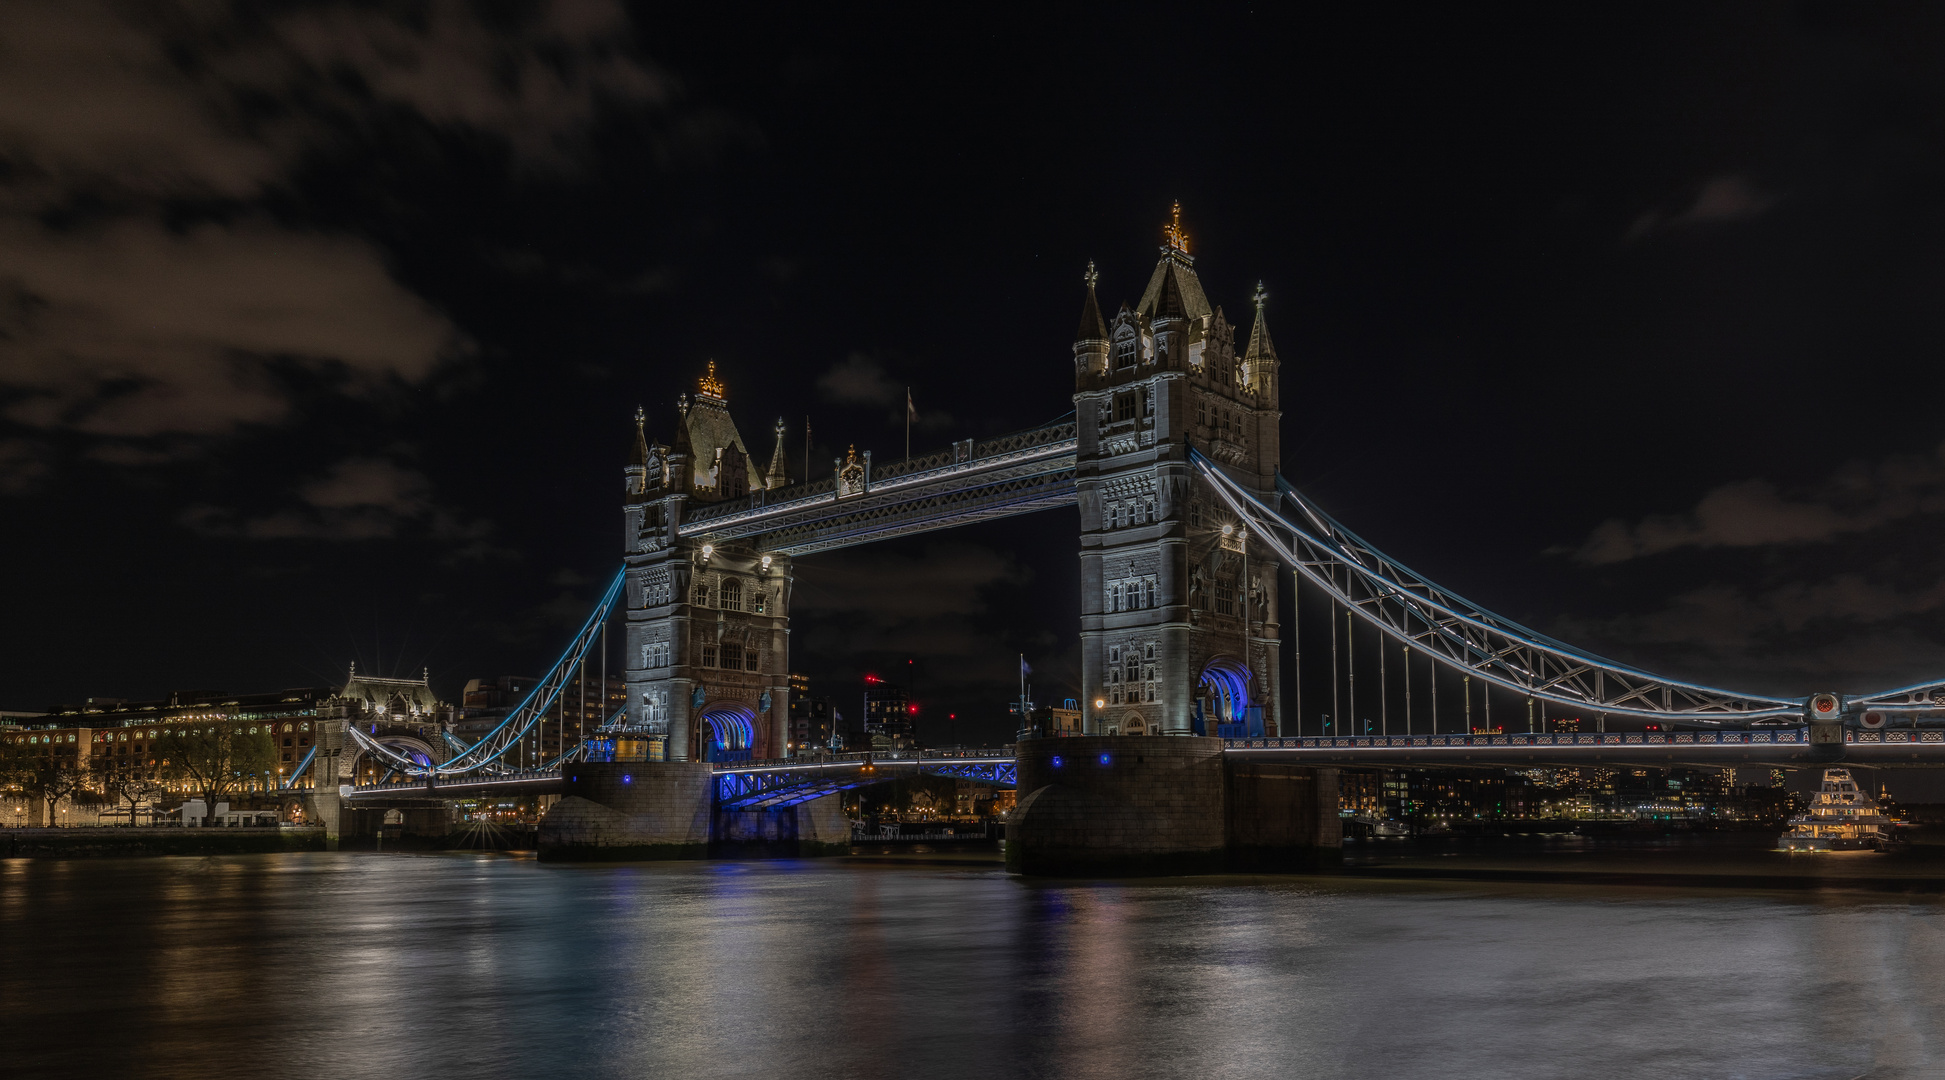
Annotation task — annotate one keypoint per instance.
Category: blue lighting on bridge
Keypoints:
(1056, 762)
(627, 778)
(1104, 759)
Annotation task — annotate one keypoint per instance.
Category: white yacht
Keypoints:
(1842, 818)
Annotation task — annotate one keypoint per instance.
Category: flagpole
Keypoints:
(908, 425)
(806, 448)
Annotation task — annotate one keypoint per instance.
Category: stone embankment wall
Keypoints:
(1141, 805)
(115, 842)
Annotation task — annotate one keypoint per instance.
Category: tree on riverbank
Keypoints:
(34, 771)
(218, 759)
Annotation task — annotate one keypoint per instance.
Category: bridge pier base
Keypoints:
(629, 810)
(626, 811)
(1150, 805)
(323, 806)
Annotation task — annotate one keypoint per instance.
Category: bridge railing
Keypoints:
(858, 757)
(1787, 736)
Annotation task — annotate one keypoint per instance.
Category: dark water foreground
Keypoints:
(421, 966)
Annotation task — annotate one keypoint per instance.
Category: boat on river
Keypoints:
(1842, 817)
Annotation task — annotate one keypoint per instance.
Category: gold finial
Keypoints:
(1172, 232)
(710, 385)
(1091, 276)
(640, 418)
(1261, 295)
(779, 427)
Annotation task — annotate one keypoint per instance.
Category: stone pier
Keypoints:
(626, 811)
(1148, 805)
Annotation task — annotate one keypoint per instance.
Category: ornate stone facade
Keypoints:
(1179, 619)
(707, 623)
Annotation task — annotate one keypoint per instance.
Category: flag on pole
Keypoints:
(911, 410)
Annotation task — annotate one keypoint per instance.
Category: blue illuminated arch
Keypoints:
(1228, 681)
(732, 731)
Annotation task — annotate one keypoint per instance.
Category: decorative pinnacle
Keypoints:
(710, 385)
(1261, 295)
(1091, 277)
(1172, 232)
(779, 427)
(640, 418)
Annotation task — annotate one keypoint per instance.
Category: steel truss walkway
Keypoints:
(974, 480)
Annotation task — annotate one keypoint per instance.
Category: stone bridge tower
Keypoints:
(1179, 621)
(707, 624)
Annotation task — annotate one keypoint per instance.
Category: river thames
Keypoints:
(436, 966)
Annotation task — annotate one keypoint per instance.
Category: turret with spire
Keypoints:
(1091, 340)
(776, 477)
(636, 474)
(1259, 358)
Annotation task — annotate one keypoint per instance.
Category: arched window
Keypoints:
(1121, 515)
(1124, 352)
(732, 595)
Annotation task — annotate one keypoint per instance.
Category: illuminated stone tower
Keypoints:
(1179, 622)
(707, 625)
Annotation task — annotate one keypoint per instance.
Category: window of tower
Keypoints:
(732, 654)
(759, 599)
(708, 655)
(1127, 405)
(1124, 353)
(1133, 668)
(1140, 513)
(732, 595)
(1120, 515)
(699, 594)
(750, 659)
(1225, 596)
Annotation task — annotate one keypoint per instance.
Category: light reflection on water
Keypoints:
(347, 965)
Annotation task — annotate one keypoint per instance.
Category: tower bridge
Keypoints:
(1191, 742)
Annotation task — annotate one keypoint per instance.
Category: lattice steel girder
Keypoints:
(1416, 612)
(1017, 474)
(1018, 454)
(859, 524)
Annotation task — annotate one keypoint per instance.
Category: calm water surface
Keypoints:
(400, 966)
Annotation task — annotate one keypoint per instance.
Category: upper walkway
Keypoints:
(973, 480)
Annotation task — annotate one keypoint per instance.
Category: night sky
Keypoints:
(322, 324)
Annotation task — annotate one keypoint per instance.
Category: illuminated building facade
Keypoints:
(707, 624)
(1179, 622)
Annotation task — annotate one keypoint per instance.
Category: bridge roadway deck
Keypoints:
(760, 784)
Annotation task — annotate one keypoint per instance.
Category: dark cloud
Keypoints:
(358, 499)
(860, 380)
(23, 465)
(131, 324)
(1750, 513)
(1720, 199)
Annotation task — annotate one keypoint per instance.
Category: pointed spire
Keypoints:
(639, 456)
(1174, 292)
(776, 477)
(709, 385)
(1172, 232)
(1093, 327)
(1259, 334)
